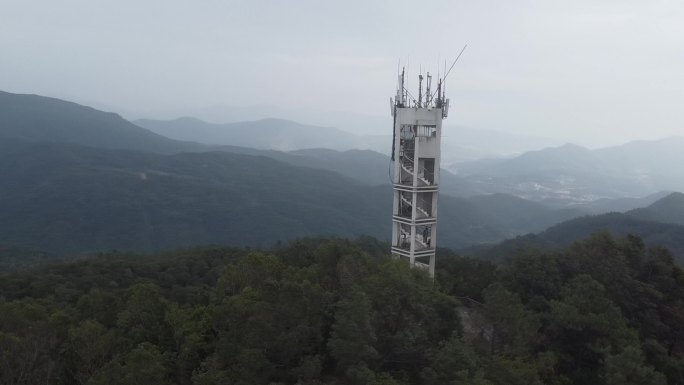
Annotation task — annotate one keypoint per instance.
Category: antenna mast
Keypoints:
(420, 91)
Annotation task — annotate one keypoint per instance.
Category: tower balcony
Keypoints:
(409, 188)
(421, 242)
(414, 207)
(412, 172)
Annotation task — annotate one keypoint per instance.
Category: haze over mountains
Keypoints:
(268, 134)
(80, 180)
(567, 175)
(572, 174)
(459, 143)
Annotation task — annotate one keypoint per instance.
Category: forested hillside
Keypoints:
(71, 199)
(604, 311)
(666, 235)
(660, 224)
(669, 209)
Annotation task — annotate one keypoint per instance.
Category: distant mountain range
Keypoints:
(36, 118)
(41, 119)
(567, 176)
(459, 143)
(266, 134)
(593, 181)
(573, 175)
(78, 180)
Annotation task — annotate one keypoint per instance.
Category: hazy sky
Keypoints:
(589, 71)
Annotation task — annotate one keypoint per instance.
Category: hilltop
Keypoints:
(41, 119)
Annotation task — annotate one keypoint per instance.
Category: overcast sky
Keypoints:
(593, 72)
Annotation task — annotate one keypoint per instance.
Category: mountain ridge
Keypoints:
(669, 209)
(39, 118)
(645, 223)
(573, 175)
(273, 134)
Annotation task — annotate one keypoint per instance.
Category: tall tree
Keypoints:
(352, 338)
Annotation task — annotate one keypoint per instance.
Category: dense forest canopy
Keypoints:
(330, 311)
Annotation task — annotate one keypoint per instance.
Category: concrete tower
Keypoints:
(416, 155)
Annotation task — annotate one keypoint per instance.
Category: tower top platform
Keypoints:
(427, 98)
